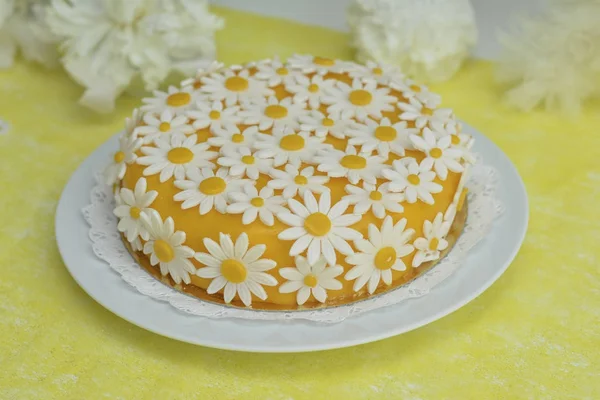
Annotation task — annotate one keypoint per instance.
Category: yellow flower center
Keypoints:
(385, 258)
(413, 179)
(234, 271)
(300, 180)
(282, 71)
(435, 152)
(415, 88)
(313, 88)
(353, 162)
(237, 138)
(377, 71)
(310, 280)
(292, 142)
(327, 122)
(375, 195)
(236, 84)
(214, 114)
(164, 127)
(163, 251)
(248, 160)
(317, 224)
(257, 202)
(360, 97)
(455, 139)
(433, 244)
(385, 133)
(427, 111)
(197, 85)
(119, 156)
(276, 111)
(180, 155)
(134, 212)
(179, 99)
(213, 185)
(326, 62)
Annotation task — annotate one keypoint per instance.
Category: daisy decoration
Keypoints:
(382, 136)
(251, 203)
(274, 72)
(234, 85)
(232, 139)
(432, 243)
(320, 65)
(196, 81)
(381, 73)
(413, 179)
(309, 89)
(359, 100)
(128, 145)
(323, 125)
(308, 279)
(214, 116)
(273, 112)
(130, 206)
(420, 93)
(422, 115)
(355, 166)
(178, 101)
(243, 161)
(379, 199)
(165, 124)
(293, 181)
(439, 152)
(284, 145)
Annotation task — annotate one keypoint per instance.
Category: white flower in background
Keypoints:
(432, 243)
(360, 100)
(350, 164)
(207, 190)
(214, 116)
(413, 179)
(165, 247)
(273, 113)
(162, 126)
(232, 139)
(439, 152)
(243, 161)
(318, 227)
(380, 254)
(426, 39)
(294, 181)
(321, 65)
(274, 72)
(128, 145)
(234, 85)
(284, 146)
(175, 156)
(381, 73)
(131, 204)
(382, 136)
(323, 125)
(251, 203)
(208, 68)
(379, 199)
(309, 89)
(177, 101)
(237, 269)
(106, 44)
(306, 279)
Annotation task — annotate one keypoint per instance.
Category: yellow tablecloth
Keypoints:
(533, 335)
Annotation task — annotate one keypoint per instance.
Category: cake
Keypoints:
(287, 186)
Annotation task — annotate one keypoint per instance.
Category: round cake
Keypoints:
(273, 185)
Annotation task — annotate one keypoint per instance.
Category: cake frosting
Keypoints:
(291, 184)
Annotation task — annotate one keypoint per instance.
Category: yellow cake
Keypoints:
(291, 185)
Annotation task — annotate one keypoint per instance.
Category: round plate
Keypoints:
(487, 261)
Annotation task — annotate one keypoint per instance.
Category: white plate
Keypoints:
(488, 260)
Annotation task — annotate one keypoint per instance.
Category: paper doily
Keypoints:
(484, 208)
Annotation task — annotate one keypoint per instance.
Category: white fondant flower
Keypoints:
(422, 115)
(322, 124)
(274, 72)
(167, 123)
(284, 145)
(318, 227)
(381, 73)
(415, 180)
(234, 85)
(458, 139)
(382, 136)
(273, 112)
(439, 152)
(165, 247)
(206, 189)
(308, 64)
(236, 268)
(421, 93)
(178, 101)
(306, 279)
(133, 122)
(175, 156)
(231, 140)
(432, 243)
(196, 81)
(214, 116)
(378, 256)
(370, 196)
(309, 89)
(251, 203)
(360, 100)
(355, 166)
(128, 145)
(293, 181)
(243, 161)
(131, 204)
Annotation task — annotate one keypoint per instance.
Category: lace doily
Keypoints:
(484, 208)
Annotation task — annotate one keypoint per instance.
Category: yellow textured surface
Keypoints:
(532, 335)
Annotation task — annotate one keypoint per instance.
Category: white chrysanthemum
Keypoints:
(165, 247)
(380, 73)
(439, 152)
(237, 269)
(382, 136)
(350, 164)
(421, 93)
(432, 243)
(274, 72)
(360, 100)
(206, 189)
(273, 113)
(323, 125)
(175, 156)
(162, 126)
(131, 204)
(294, 181)
(306, 279)
(252, 204)
(284, 146)
(177, 101)
(309, 89)
(233, 139)
(208, 68)
(215, 117)
(413, 179)
(318, 227)
(234, 85)
(128, 145)
(309, 64)
(243, 161)
(379, 199)
(380, 254)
